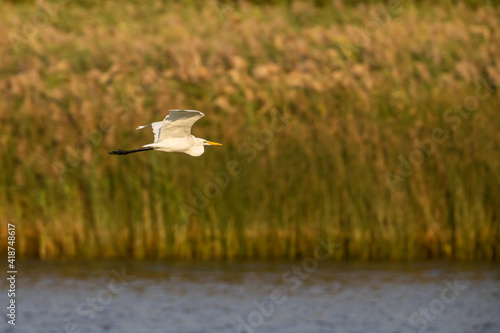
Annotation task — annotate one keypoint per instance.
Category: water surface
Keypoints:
(303, 296)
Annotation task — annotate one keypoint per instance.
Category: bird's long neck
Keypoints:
(125, 152)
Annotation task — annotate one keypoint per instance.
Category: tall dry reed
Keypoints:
(338, 121)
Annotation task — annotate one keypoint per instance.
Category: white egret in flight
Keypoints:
(173, 134)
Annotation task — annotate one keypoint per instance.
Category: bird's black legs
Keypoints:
(125, 152)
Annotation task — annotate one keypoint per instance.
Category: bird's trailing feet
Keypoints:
(125, 152)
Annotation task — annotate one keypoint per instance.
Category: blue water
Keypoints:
(145, 296)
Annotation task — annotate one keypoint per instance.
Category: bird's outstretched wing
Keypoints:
(177, 124)
(156, 129)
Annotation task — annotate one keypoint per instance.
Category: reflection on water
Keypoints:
(307, 296)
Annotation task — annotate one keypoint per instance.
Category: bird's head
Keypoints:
(197, 149)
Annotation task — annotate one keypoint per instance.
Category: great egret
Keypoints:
(173, 134)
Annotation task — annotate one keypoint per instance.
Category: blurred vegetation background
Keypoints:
(373, 123)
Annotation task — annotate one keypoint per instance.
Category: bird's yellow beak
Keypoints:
(213, 143)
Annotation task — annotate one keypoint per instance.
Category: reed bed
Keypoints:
(377, 127)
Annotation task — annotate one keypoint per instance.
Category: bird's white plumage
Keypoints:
(156, 129)
(177, 124)
(174, 133)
